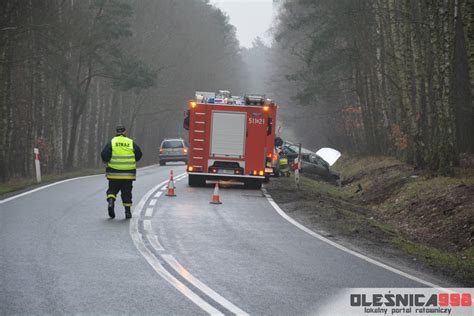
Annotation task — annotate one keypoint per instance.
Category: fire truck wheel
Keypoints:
(253, 184)
(196, 181)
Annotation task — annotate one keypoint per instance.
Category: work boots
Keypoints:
(111, 207)
(128, 212)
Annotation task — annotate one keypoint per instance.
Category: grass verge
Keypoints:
(459, 264)
(387, 202)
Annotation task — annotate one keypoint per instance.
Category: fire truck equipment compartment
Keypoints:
(228, 134)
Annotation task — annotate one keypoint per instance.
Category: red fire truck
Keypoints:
(230, 138)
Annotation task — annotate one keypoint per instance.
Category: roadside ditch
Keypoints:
(388, 210)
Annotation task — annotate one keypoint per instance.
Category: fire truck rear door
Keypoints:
(228, 134)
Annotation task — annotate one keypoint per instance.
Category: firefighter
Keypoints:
(121, 155)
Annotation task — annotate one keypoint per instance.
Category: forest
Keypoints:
(369, 77)
(70, 71)
(380, 77)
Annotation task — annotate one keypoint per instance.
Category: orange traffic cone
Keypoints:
(215, 196)
(170, 191)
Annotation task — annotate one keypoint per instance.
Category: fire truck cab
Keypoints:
(230, 138)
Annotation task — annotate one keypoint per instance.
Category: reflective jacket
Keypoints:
(121, 155)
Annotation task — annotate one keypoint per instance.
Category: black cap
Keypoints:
(120, 129)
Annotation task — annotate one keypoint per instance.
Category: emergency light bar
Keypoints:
(225, 97)
(254, 99)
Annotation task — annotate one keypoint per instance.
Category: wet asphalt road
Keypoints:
(60, 254)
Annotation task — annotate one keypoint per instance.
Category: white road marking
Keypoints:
(203, 287)
(149, 212)
(59, 182)
(147, 225)
(158, 194)
(154, 242)
(153, 202)
(46, 186)
(181, 177)
(155, 263)
(340, 247)
(165, 187)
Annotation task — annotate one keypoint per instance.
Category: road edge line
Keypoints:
(45, 187)
(343, 248)
(56, 183)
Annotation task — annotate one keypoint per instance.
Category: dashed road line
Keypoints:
(152, 202)
(149, 212)
(154, 261)
(167, 276)
(147, 225)
(158, 194)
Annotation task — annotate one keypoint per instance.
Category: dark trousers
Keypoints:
(125, 186)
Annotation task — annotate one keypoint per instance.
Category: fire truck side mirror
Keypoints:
(269, 126)
(186, 120)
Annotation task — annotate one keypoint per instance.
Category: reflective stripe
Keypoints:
(122, 157)
(122, 163)
(115, 177)
(111, 196)
(120, 174)
(127, 204)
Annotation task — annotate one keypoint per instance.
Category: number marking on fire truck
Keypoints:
(259, 121)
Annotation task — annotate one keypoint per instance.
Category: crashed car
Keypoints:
(318, 163)
(291, 151)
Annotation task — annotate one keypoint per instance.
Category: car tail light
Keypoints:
(254, 172)
(185, 150)
(236, 171)
(161, 150)
(261, 173)
(214, 170)
(190, 168)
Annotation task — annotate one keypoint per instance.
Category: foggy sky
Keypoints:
(251, 18)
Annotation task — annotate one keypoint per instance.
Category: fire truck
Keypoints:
(230, 138)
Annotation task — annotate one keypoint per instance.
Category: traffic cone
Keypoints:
(215, 196)
(170, 191)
